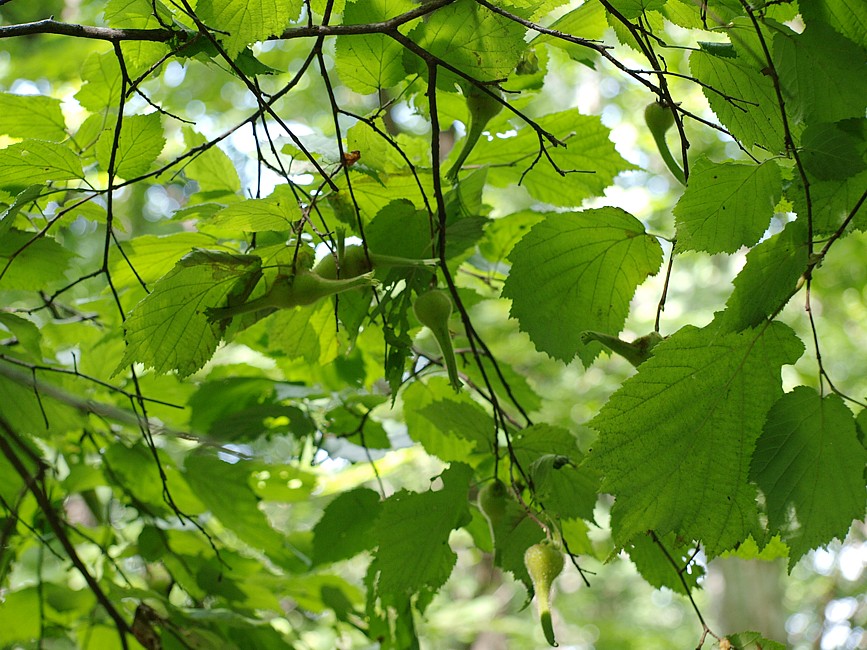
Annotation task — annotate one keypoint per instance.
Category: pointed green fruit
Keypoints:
(544, 563)
(355, 262)
(303, 288)
(659, 120)
(635, 353)
(482, 108)
(433, 310)
(492, 502)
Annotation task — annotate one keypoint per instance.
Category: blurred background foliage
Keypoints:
(823, 604)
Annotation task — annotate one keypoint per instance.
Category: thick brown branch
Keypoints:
(51, 26)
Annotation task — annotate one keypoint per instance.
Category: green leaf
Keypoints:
(26, 333)
(31, 262)
(750, 111)
(247, 21)
(141, 142)
(442, 444)
(23, 200)
(135, 13)
(477, 41)
(169, 330)
(347, 526)
(588, 20)
(101, 82)
(551, 457)
(839, 92)
(726, 205)
(675, 440)
(152, 256)
(809, 460)
(412, 533)
(829, 153)
(212, 169)
(309, 333)
(36, 161)
(635, 8)
(848, 18)
(368, 62)
(750, 640)
(256, 215)
(832, 202)
(585, 166)
(133, 468)
(32, 116)
(577, 271)
(657, 569)
(465, 420)
(238, 508)
(768, 279)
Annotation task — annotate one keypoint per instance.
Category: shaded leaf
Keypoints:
(809, 459)
(577, 271)
(675, 440)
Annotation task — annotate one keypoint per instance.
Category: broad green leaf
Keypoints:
(17, 622)
(768, 279)
(465, 420)
(169, 329)
(36, 161)
(347, 526)
(26, 333)
(656, 568)
(212, 169)
(445, 446)
(368, 62)
(675, 440)
(585, 166)
(23, 200)
(533, 9)
(773, 549)
(241, 408)
(141, 142)
(848, 18)
(32, 116)
(152, 256)
(550, 457)
(31, 262)
(30, 412)
(238, 508)
(373, 194)
(101, 82)
(839, 92)
(247, 21)
(750, 640)
(832, 202)
(513, 535)
(586, 21)
(256, 215)
(829, 153)
(400, 230)
(473, 39)
(502, 234)
(412, 534)
(309, 333)
(750, 111)
(135, 13)
(635, 8)
(726, 205)
(578, 271)
(134, 469)
(809, 460)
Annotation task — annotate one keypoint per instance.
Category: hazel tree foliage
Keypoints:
(256, 257)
